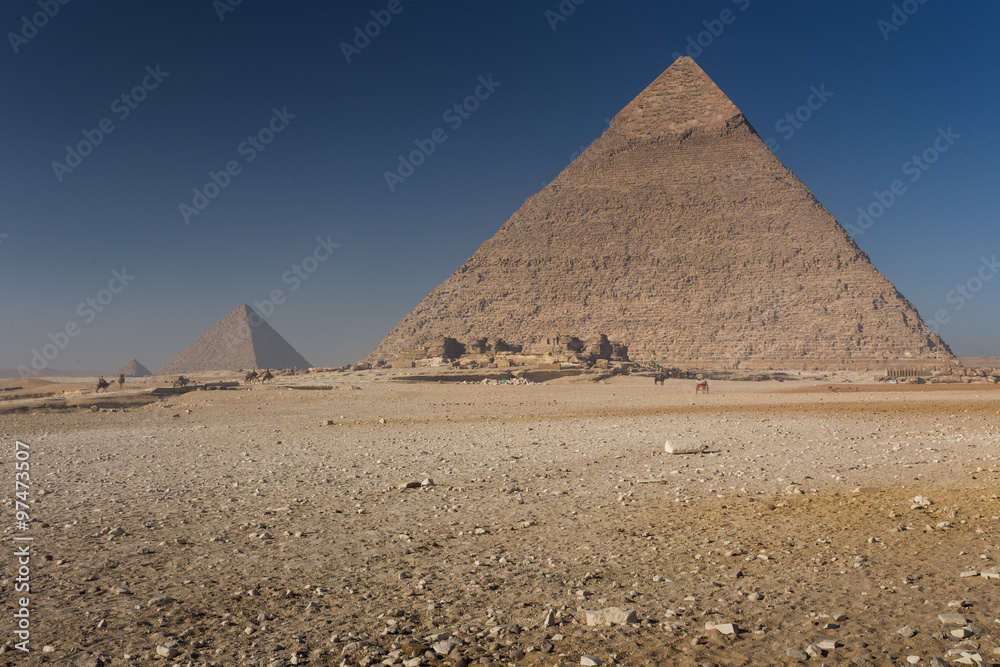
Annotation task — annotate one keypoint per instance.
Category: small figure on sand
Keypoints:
(701, 386)
(121, 380)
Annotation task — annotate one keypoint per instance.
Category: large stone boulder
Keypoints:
(448, 348)
(599, 347)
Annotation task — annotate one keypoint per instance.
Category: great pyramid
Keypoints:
(133, 369)
(241, 339)
(680, 234)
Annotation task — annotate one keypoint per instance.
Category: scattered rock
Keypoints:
(952, 619)
(443, 648)
(611, 616)
(673, 447)
(161, 601)
(797, 654)
(167, 650)
(726, 628)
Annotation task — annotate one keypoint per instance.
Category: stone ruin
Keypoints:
(945, 375)
(553, 350)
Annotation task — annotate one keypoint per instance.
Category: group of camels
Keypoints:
(254, 376)
(181, 381)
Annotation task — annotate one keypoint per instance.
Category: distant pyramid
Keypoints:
(679, 234)
(241, 339)
(133, 369)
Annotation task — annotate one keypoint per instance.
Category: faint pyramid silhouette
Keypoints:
(133, 369)
(241, 339)
(680, 234)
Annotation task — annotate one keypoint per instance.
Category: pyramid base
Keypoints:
(810, 364)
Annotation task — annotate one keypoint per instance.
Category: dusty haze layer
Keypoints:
(245, 528)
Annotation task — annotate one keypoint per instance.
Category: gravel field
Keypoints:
(376, 521)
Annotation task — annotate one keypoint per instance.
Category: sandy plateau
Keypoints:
(272, 525)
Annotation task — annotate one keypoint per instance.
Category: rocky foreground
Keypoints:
(378, 522)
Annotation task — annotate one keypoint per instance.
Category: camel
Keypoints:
(659, 379)
(701, 386)
(102, 384)
(181, 381)
(251, 377)
(265, 376)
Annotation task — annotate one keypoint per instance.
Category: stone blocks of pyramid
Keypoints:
(240, 340)
(681, 235)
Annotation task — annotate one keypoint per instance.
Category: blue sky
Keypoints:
(258, 106)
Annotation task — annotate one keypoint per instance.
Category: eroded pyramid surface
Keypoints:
(680, 234)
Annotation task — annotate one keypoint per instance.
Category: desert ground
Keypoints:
(286, 523)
